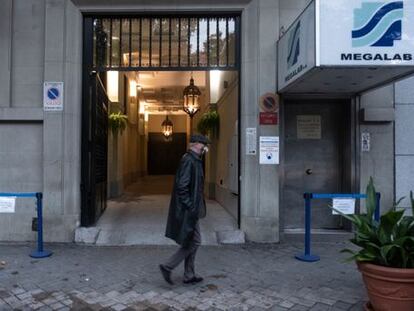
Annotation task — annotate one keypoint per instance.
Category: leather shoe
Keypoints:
(166, 274)
(193, 280)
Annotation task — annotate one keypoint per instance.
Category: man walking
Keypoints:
(187, 206)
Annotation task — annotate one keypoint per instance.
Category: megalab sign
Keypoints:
(347, 33)
(355, 32)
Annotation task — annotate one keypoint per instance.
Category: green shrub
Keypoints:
(117, 122)
(209, 124)
(389, 242)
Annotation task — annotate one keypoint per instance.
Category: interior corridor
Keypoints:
(138, 217)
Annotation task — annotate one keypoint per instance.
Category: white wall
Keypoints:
(378, 162)
(226, 147)
(404, 146)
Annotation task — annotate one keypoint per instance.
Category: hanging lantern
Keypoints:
(191, 98)
(167, 128)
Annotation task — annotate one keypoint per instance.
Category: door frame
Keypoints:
(349, 172)
(88, 69)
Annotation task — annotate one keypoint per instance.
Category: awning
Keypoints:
(346, 46)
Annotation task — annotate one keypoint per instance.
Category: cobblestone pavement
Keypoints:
(242, 277)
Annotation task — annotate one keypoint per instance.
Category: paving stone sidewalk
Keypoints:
(242, 277)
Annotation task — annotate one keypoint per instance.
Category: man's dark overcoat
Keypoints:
(187, 200)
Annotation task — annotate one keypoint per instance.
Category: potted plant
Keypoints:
(117, 122)
(209, 123)
(386, 255)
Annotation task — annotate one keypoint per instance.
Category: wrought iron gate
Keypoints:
(94, 151)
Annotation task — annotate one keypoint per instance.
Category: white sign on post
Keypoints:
(269, 149)
(251, 141)
(7, 204)
(53, 96)
(344, 205)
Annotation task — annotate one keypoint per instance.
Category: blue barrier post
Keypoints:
(40, 252)
(377, 206)
(308, 217)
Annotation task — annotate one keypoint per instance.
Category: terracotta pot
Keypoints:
(389, 289)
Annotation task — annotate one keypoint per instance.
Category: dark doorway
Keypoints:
(164, 156)
(314, 151)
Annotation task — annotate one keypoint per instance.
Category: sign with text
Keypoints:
(269, 149)
(365, 141)
(268, 118)
(53, 96)
(346, 34)
(344, 205)
(251, 141)
(7, 204)
(308, 127)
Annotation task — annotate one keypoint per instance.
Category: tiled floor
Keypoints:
(139, 216)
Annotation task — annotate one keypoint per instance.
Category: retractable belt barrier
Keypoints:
(40, 252)
(307, 256)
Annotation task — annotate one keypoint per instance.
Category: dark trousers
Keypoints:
(187, 254)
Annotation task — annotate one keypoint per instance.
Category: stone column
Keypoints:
(61, 130)
(260, 183)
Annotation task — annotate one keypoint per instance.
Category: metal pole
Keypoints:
(308, 218)
(40, 253)
(39, 223)
(377, 206)
(308, 215)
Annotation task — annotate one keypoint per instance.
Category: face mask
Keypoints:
(204, 150)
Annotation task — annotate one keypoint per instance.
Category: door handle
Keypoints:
(309, 171)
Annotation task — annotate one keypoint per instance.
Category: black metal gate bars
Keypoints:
(165, 42)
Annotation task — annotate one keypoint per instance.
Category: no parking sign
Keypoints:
(53, 96)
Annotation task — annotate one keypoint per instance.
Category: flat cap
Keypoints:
(199, 139)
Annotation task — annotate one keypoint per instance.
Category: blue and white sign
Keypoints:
(365, 32)
(53, 96)
(269, 149)
(343, 205)
(296, 49)
(377, 24)
(7, 204)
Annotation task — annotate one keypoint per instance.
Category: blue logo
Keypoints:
(294, 46)
(53, 93)
(377, 24)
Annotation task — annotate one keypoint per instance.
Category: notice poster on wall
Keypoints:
(269, 149)
(7, 204)
(365, 142)
(344, 205)
(53, 96)
(308, 126)
(251, 141)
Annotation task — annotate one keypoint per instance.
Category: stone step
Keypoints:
(231, 237)
(98, 236)
(317, 235)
